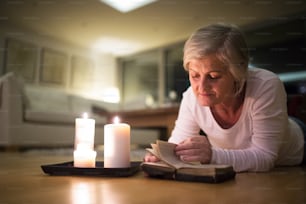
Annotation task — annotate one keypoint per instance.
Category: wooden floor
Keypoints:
(22, 181)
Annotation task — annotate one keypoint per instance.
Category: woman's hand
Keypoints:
(194, 149)
(150, 158)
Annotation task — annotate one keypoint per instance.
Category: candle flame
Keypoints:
(116, 119)
(85, 115)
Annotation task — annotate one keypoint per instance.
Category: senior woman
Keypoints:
(242, 111)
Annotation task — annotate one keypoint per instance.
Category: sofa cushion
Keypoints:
(55, 106)
(47, 99)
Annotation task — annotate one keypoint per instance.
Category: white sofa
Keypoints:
(40, 116)
(29, 117)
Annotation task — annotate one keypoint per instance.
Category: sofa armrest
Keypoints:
(12, 98)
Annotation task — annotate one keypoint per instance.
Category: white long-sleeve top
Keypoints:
(262, 137)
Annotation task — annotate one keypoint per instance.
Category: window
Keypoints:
(279, 47)
(175, 75)
(140, 80)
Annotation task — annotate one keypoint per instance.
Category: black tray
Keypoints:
(67, 168)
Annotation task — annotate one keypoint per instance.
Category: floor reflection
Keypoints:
(83, 193)
(110, 195)
(88, 192)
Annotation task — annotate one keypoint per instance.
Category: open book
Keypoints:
(171, 167)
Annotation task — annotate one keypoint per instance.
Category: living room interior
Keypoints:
(107, 62)
(59, 59)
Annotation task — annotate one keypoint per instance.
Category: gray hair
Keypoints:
(227, 43)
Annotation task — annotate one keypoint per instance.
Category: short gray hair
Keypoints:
(227, 43)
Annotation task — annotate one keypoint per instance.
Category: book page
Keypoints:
(160, 164)
(151, 151)
(166, 153)
(155, 150)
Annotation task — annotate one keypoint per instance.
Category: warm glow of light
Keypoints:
(82, 147)
(127, 5)
(82, 193)
(108, 95)
(115, 46)
(85, 115)
(116, 120)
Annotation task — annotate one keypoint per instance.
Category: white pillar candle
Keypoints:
(117, 145)
(84, 131)
(84, 157)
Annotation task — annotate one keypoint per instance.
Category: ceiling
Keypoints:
(85, 22)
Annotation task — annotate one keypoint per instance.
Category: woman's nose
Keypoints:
(204, 84)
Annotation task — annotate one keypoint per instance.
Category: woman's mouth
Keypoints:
(205, 94)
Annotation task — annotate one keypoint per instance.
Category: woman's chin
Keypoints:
(205, 101)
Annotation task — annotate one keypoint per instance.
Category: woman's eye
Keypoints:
(195, 76)
(214, 76)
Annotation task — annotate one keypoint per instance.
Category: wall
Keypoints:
(102, 78)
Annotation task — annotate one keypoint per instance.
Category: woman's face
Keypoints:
(211, 81)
